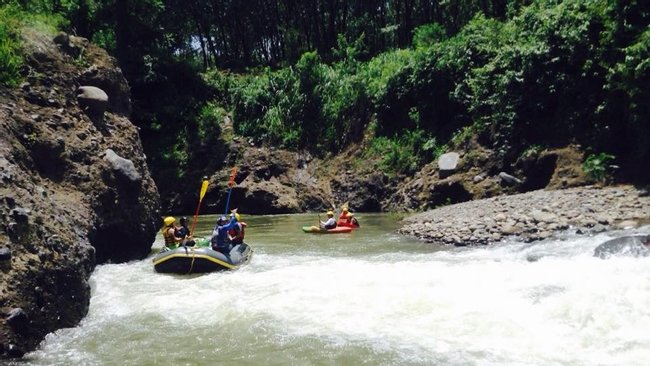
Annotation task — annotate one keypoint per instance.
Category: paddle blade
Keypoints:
(233, 173)
(204, 188)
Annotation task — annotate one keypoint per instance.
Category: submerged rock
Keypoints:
(635, 246)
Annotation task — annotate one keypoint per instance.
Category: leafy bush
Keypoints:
(628, 100)
(210, 119)
(13, 19)
(598, 166)
(404, 154)
(427, 35)
(10, 57)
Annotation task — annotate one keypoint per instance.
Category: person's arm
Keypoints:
(182, 232)
(173, 235)
(231, 224)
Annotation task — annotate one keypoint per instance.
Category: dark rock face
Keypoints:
(271, 181)
(268, 181)
(73, 192)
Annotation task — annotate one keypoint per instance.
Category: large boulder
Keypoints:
(448, 163)
(74, 193)
(123, 168)
(92, 100)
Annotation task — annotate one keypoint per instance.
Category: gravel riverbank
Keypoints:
(532, 216)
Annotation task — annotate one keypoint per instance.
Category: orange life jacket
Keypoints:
(170, 239)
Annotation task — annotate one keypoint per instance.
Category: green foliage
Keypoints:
(349, 52)
(13, 20)
(10, 58)
(406, 153)
(464, 134)
(598, 166)
(105, 38)
(268, 107)
(521, 73)
(547, 76)
(632, 75)
(176, 158)
(532, 150)
(427, 35)
(210, 119)
(311, 105)
(380, 70)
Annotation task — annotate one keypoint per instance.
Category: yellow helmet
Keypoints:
(169, 220)
(345, 208)
(330, 213)
(237, 216)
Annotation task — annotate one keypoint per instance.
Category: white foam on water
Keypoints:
(549, 303)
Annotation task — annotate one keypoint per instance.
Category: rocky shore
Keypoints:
(532, 216)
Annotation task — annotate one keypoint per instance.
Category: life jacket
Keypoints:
(182, 232)
(237, 233)
(170, 239)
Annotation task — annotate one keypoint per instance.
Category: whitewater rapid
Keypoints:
(376, 299)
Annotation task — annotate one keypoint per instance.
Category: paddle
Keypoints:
(231, 183)
(204, 188)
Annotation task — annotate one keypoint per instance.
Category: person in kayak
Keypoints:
(169, 232)
(351, 220)
(237, 233)
(344, 213)
(330, 223)
(220, 233)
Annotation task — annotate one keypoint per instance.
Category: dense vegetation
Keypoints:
(419, 75)
(12, 20)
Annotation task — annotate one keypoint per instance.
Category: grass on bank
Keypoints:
(13, 21)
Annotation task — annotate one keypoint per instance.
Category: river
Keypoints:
(371, 297)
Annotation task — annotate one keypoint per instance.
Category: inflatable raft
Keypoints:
(336, 230)
(200, 259)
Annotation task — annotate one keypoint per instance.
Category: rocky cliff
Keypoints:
(75, 190)
(271, 181)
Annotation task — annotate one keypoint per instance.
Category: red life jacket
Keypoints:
(237, 234)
